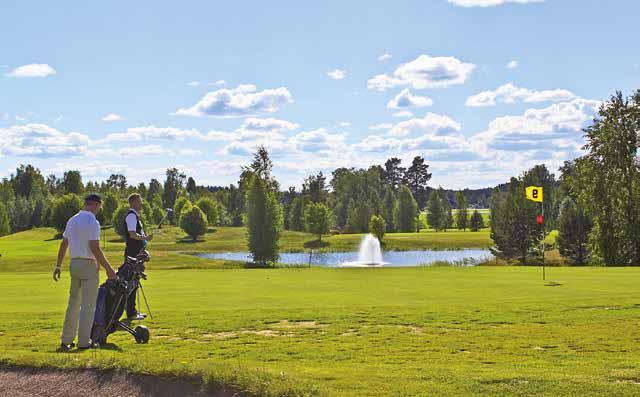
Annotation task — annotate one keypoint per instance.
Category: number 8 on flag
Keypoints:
(534, 193)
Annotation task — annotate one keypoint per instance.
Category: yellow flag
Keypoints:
(534, 193)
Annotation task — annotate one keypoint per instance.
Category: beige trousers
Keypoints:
(83, 293)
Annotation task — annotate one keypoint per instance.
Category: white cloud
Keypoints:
(40, 140)
(58, 119)
(190, 152)
(512, 64)
(318, 140)
(194, 83)
(5, 116)
(405, 99)
(424, 72)
(431, 124)
(151, 132)
(220, 82)
(112, 117)
(384, 57)
(337, 74)
(382, 126)
(218, 167)
(555, 128)
(509, 93)
(403, 113)
(238, 102)
(32, 70)
(489, 3)
(269, 124)
(144, 150)
(20, 118)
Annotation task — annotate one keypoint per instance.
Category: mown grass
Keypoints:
(35, 250)
(357, 332)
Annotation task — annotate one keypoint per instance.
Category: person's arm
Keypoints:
(141, 237)
(62, 251)
(131, 228)
(94, 246)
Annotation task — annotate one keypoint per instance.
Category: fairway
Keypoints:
(346, 332)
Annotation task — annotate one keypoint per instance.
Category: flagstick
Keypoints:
(543, 268)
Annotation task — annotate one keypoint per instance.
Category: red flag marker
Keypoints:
(540, 219)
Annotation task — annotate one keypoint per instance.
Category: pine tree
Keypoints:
(574, 227)
(476, 222)
(514, 229)
(406, 211)
(448, 212)
(436, 214)
(389, 204)
(462, 215)
(264, 222)
(296, 214)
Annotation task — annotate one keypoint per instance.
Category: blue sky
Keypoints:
(483, 89)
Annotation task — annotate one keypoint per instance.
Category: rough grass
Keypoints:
(373, 332)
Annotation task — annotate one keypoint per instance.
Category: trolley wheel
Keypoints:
(142, 334)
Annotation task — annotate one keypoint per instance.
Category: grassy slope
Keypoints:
(35, 250)
(428, 331)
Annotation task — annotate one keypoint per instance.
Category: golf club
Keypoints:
(159, 226)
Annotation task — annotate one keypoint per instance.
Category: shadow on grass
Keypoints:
(315, 244)
(211, 230)
(57, 236)
(188, 240)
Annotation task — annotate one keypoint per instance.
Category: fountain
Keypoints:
(369, 254)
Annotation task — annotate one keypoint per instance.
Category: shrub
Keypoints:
(317, 218)
(193, 221)
(5, 227)
(210, 209)
(64, 208)
(377, 226)
(177, 209)
(109, 206)
(118, 220)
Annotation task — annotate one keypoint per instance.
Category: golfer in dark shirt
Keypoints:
(135, 242)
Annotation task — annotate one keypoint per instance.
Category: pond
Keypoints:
(464, 257)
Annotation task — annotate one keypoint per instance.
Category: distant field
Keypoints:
(35, 250)
(485, 212)
(361, 332)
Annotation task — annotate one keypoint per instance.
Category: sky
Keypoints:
(482, 89)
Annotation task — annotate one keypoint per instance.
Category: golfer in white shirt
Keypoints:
(82, 237)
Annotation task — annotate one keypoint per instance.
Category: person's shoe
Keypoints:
(137, 317)
(91, 345)
(65, 348)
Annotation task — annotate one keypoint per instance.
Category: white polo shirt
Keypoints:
(132, 222)
(82, 228)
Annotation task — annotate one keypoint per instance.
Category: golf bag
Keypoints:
(112, 300)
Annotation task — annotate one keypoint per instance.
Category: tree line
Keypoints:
(594, 204)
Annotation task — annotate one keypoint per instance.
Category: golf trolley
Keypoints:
(112, 300)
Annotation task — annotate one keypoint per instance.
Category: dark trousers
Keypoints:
(131, 300)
